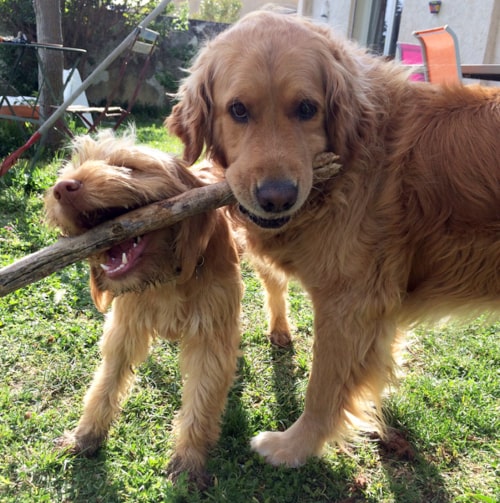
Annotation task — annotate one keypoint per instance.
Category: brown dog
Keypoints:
(179, 283)
(409, 230)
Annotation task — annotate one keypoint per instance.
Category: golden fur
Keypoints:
(179, 283)
(409, 230)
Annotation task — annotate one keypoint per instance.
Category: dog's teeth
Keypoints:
(137, 240)
(105, 267)
(124, 258)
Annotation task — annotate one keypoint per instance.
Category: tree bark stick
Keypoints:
(68, 250)
(160, 214)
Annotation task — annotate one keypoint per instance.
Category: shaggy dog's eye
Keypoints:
(306, 110)
(238, 111)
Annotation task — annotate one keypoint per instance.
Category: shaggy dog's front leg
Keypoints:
(122, 347)
(208, 364)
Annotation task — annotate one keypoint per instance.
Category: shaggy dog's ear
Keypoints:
(192, 241)
(191, 118)
(102, 298)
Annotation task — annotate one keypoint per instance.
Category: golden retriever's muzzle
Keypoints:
(277, 196)
(274, 197)
(265, 223)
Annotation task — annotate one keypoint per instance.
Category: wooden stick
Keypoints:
(160, 214)
(135, 223)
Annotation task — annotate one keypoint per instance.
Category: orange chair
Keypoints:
(441, 56)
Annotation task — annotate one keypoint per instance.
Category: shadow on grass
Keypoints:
(412, 478)
(79, 480)
(242, 476)
(285, 381)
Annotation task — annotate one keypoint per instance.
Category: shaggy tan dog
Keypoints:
(409, 230)
(178, 283)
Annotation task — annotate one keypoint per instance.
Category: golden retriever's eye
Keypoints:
(306, 110)
(238, 111)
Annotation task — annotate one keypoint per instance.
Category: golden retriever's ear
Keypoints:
(351, 121)
(102, 298)
(192, 241)
(190, 119)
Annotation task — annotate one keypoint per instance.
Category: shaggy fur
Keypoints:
(178, 283)
(409, 230)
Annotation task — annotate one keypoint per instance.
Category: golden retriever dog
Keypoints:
(179, 283)
(408, 230)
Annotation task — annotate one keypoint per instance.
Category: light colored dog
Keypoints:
(178, 283)
(408, 231)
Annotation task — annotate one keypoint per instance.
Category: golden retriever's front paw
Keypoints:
(277, 449)
(280, 338)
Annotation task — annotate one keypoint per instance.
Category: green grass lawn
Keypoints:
(447, 405)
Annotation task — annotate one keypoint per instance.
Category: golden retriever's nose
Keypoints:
(66, 189)
(276, 196)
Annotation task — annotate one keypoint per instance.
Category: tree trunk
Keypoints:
(51, 64)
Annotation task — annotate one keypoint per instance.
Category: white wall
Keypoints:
(476, 23)
(337, 13)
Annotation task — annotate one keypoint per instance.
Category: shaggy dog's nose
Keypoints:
(277, 196)
(65, 189)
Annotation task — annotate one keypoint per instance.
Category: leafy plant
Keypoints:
(13, 134)
(220, 11)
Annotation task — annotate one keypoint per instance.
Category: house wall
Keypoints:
(476, 23)
(337, 13)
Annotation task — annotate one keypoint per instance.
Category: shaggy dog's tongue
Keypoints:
(123, 256)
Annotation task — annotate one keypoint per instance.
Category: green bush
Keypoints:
(13, 134)
(220, 11)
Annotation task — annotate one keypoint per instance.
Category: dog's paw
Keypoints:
(197, 477)
(280, 338)
(292, 447)
(72, 443)
(276, 449)
(395, 443)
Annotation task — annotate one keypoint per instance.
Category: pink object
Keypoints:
(411, 54)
